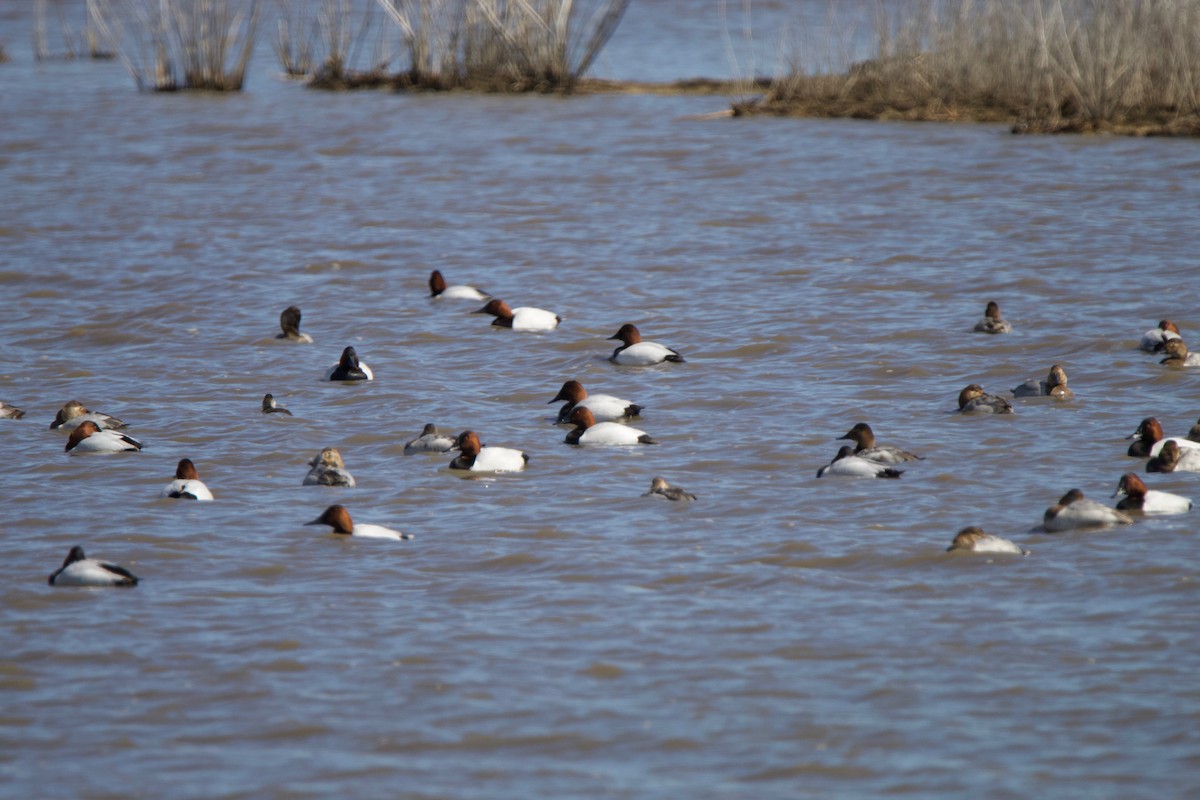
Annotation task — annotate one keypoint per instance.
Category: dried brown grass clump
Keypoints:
(90, 41)
(1043, 65)
(172, 45)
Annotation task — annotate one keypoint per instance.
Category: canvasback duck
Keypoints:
(1073, 510)
(660, 488)
(974, 540)
(187, 484)
(1150, 441)
(1173, 458)
(865, 447)
(289, 323)
(10, 412)
(604, 407)
(349, 368)
(1054, 386)
(429, 441)
(89, 438)
(1148, 501)
(477, 458)
(846, 464)
(1178, 355)
(79, 570)
(636, 353)
(269, 406)
(338, 518)
(992, 321)
(973, 400)
(588, 431)
(1154, 339)
(74, 413)
(523, 318)
(328, 469)
(438, 288)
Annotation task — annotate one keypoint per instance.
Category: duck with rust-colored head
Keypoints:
(1148, 501)
(974, 400)
(522, 318)
(992, 322)
(187, 484)
(338, 518)
(439, 289)
(1154, 339)
(604, 407)
(477, 458)
(635, 353)
(1074, 511)
(589, 432)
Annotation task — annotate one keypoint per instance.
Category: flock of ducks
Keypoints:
(1073, 511)
(601, 419)
(596, 419)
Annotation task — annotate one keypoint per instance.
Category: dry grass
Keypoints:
(170, 45)
(89, 41)
(484, 45)
(1044, 65)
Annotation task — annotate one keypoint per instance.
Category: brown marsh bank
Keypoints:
(1046, 66)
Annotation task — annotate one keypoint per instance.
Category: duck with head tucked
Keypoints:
(847, 465)
(1154, 339)
(74, 412)
(992, 322)
(1074, 511)
(974, 400)
(636, 353)
(328, 469)
(474, 457)
(1173, 458)
(660, 488)
(1178, 355)
(439, 289)
(89, 438)
(289, 324)
(10, 412)
(79, 570)
(1054, 386)
(974, 540)
(865, 447)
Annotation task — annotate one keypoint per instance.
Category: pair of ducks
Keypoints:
(1173, 454)
(974, 400)
(866, 459)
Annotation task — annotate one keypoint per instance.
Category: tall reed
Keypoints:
(1050, 64)
(170, 45)
(89, 40)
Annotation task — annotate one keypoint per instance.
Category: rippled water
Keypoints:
(553, 633)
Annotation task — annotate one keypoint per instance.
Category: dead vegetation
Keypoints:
(86, 40)
(1043, 65)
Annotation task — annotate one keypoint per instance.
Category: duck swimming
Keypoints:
(328, 469)
(992, 322)
(79, 570)
(74, 412)
(660, 488)
(269, 406)
(438, 288)
(523, 318)
(864, 439)
(338, 518)
(588, 431)
(349, 368)
(604, 407)
(636, 353)
(10, 412)
(1154, 339)
(187, 484)
(1073, 511)
(1054, 386)
(1178, 355)
(429, 441)
(477, 458)
(289, 323)
(1173, 458)
(974, 540)
(973, 400)
(847, 465)
(89, 438)
(1148, 501)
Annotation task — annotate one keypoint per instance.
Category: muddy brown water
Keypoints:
(554, 633)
